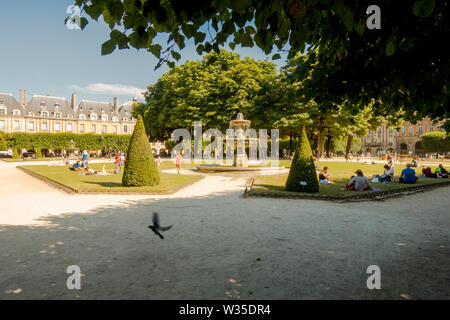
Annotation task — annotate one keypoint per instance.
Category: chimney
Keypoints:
(73, 102)
(24, 97)
(116, 105)
(21, 96)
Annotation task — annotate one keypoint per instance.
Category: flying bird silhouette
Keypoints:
(156, 227)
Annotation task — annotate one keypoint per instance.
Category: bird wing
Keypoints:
(164, 228)
(155, 220)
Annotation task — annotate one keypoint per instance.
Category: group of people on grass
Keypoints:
(359, 182)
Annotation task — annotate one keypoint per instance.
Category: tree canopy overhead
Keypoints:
(401, 65)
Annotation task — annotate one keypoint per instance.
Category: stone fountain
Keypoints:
(240, 158)
(240, 125)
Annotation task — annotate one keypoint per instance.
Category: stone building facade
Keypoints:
(403, 141)
(54, 114)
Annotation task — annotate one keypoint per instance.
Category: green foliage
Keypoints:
(213, 90)
(140, 167)
(435, 142)
(15, 154)
(38, 153)
(3, 141)
(339, 144)
(65, 140)
(302, 168)
(401, 64)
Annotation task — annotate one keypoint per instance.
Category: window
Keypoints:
(2, 111)
(30, 125)
(57, 115)
(69, 116)
(57, 126)
(82, 117)
(2, 125)
(44, 114)
(115, 129)
(16, 112)
(44, 126)
(93, 117)
(94, 128)
(69, 126)
(125, 128)
(420, 129)
(124, 119)
(30, 114)
(403, 130)
(410, 130)
(115, 119)
(104, 129)
(81, 128)
(104, 118)
(16, 125)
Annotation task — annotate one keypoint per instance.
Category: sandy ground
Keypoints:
(221, 246)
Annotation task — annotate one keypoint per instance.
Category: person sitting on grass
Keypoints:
(359, 182)
(441, 172)
(388, 175)
(324, 176)
(426, 173)
(76, 166)
(408, 175)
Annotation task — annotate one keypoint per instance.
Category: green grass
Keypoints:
(110, 183)
(340, 174)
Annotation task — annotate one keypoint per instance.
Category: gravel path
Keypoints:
(221, 246)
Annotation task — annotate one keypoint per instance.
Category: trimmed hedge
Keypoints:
(38, 153)
(15, 154)
(302, 174)
(87, 141)
(140, 167)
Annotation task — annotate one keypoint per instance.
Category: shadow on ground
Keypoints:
(224, 246)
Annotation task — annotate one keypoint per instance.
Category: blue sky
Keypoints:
(40, 54)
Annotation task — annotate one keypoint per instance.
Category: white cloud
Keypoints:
(114, 89)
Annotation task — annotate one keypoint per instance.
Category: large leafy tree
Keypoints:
(213, 90)
(402, 64)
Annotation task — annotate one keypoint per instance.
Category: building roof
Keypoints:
(48, 103)
(8, 102)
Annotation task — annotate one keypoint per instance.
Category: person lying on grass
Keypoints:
(426, 173)
(408, 175)
(324, 176)
(359, 182)
(89, 171)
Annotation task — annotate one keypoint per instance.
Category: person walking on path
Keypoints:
(178, 160)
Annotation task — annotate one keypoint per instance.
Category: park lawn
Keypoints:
(110, 183)
(340, 174)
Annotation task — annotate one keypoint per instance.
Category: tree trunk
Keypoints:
(327, 146)
(349, 146)
(291, 147)
(320, 145)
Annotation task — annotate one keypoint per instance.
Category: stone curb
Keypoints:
(379, 195)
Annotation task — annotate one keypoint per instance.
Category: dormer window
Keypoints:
(44, 114)
(115, 119)
(56, 105)
(2, 111)
(125, 119)
(57, 115)
(69, 116)
(104, 118)
(93, 117)
(30, 114)
(82, 117)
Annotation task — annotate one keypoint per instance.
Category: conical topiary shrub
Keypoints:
(302, 175)
(15, 154)
(38, 153)
(140, 167)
